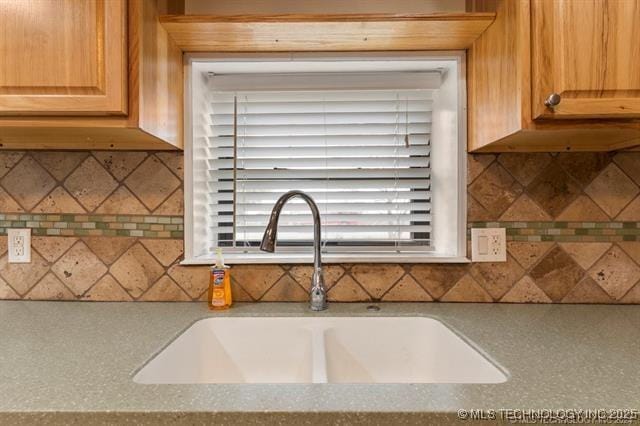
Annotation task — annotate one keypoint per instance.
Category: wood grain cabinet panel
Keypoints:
(588, 52)
(101, 74)
(62, 57)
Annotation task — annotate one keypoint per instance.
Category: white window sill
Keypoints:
(275, 258)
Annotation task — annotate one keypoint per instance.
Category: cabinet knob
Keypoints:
(552, 100)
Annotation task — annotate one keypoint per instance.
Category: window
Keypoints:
(374, 141)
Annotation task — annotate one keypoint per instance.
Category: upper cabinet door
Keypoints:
(588, 53)
(63, 57)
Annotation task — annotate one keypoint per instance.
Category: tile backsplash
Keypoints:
(108, 226)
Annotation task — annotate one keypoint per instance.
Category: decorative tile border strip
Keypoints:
(566, 231)
(151, 226)
(146, 226)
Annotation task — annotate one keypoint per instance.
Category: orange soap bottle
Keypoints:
(219, 284)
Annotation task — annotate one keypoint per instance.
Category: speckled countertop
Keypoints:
(66, 362)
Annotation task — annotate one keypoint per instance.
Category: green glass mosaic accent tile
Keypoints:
(566, 231)
(150, 226)
(95, 225)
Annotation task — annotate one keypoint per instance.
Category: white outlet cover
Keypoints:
(19, 245)
(488, 245)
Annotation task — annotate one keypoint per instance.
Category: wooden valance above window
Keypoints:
(326, 33)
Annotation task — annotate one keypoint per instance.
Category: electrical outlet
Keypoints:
(19, 245)
(489, 245)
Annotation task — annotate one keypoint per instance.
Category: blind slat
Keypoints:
(248, 153)
(322, 140)
(328, 196)
(320, 129)
(353, 163)
(325, 208)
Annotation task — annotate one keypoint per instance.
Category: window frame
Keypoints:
(454, 249)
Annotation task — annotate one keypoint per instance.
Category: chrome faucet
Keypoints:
(318, 293)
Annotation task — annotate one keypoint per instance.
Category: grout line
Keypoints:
(121, 181)
(166, 199)
(170, 169)
(394, 284)
(273, 284)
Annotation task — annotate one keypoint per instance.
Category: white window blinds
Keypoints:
(363, 155)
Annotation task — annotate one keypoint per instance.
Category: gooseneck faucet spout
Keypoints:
(318, 294)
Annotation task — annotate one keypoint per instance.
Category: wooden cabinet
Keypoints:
(63, 57)
(587, 52)
(88, 74)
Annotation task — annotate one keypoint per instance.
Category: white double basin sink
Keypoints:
(319, 350)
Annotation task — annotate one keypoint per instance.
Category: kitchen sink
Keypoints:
(319, 350)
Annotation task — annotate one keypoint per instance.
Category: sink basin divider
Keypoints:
(318, 356)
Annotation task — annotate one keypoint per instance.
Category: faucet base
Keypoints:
(319, 308)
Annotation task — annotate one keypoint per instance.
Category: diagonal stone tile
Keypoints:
(172, 206)
(466, 290)
(90, 184)
(587, 291)
(347, 290)
(632, 296)
(631, 248)
(476, 164)
(79, 268)
(256, 279)
(59, 163)
(615, 272)
(51, 248)
(631, 213)
(22, 276)
(495, 189)
(629, 162)
(3, 244)
(136, 270)
(524, 208)
(107, 289)
(527, 254)
(437, 279)
(525, 291)
(612, 190)
(556, 274)
(58, 201)
(28, 182)
(553, 189)
(581, 210)
(238, 293)
(497, 277)
(119, 163)
(193, 279)
(122, 201)
(286, 289)
(152, 182)
(8, 204)
(174, 160)
(49, 288)
(584, 166)
(8, 159)
(524, 167)
(6, 292)
(407, 290)
(108, 249)
(585, 254)
(165, 251)
(165, 290)
(376, 279)
(476, 212)
(303, 273)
